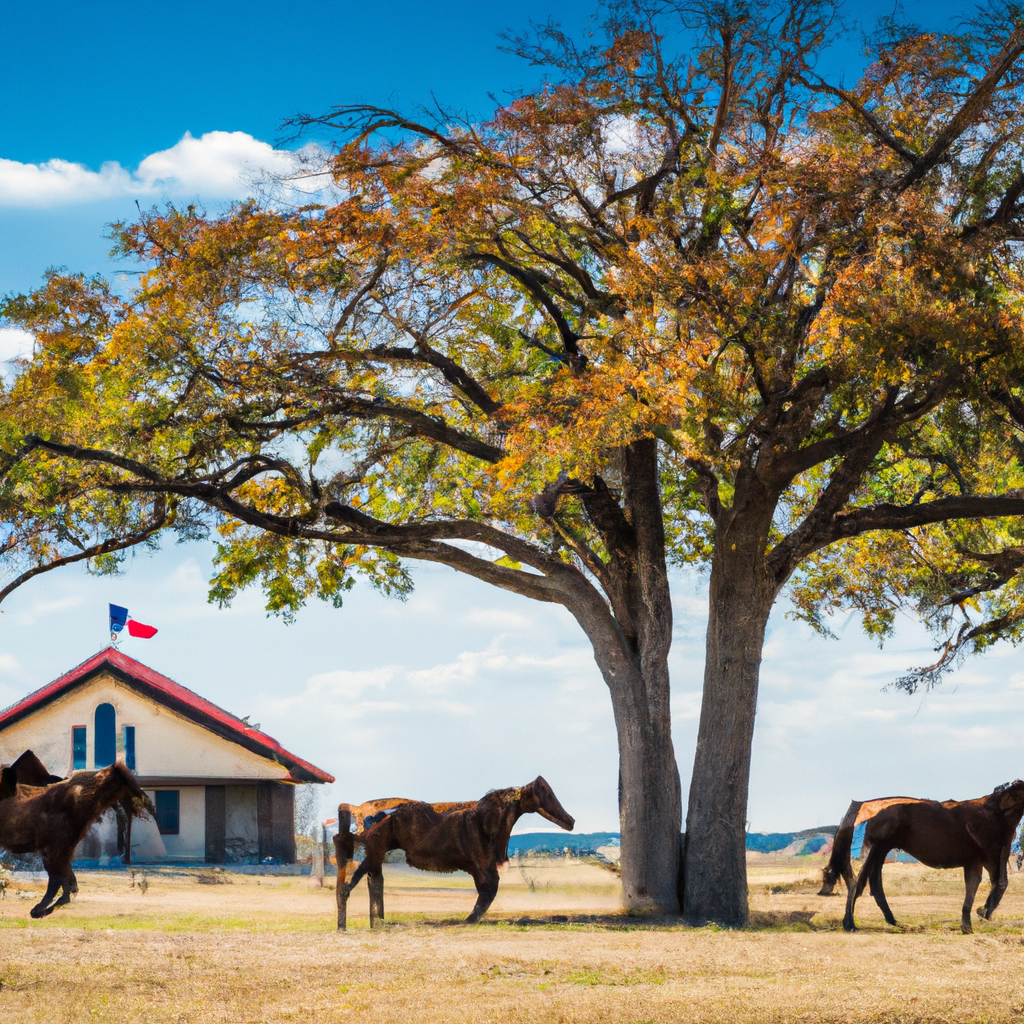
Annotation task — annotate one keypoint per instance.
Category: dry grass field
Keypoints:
(554, 948)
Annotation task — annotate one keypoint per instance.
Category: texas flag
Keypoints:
(119, 618)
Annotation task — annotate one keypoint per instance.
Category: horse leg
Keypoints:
(972, 879)
(999, 881)
(42, 908)
(856, 889)
(878, 892)
(68, 882)
(357, 875)
(487, 888)
(56, 877)
(343, 850)
(375, 883)
(126, 857)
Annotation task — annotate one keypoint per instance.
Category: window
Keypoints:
(105, 737)
(77, 747)
(167, 811)
(129, 746)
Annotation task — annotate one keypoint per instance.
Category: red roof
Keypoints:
(173, 695)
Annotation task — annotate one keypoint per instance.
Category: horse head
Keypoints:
(1008, 799)
(119, 785)
(538, 797)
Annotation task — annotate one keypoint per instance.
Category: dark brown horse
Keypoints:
(28, 770)
(53, 820)
(840, 864)
(471, 837)
(968, 834)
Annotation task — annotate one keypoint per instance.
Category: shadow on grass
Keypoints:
(795, 920)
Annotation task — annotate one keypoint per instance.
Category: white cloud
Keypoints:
(15, 350)
(8, 664)
(347, 685)
(15, 344)
(218, 165)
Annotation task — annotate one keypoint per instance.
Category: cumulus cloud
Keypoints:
(218, 165)
(15, 343)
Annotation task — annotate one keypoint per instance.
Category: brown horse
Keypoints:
(28, 770)
(471, 837)
(968, 834)
(52, 821)
(840, 864)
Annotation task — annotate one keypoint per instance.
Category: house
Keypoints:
(224, 791)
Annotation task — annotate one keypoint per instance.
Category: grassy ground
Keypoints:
(554, 948)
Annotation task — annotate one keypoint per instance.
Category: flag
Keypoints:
(119, 618)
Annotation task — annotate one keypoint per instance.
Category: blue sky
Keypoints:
(461, 688)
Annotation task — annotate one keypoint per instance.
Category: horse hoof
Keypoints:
(849, 926)
(983, 913)
(967, 929)
(38, 912)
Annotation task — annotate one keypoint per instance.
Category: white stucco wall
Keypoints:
(190, 842)
(165, 742)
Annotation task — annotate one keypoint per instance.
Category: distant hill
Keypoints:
(761, 842)
(771, 842)
(556, 842)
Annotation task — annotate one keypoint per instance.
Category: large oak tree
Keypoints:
(689, 303)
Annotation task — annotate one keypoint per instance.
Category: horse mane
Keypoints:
(502, 797)
(1007, 785)
(1012, 790)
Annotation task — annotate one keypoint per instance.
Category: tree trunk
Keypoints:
(650, 806)
(741, 597)
(632, 652)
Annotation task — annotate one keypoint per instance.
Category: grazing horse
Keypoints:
(972, 834)
(52, 821)
(471, 837)
(839, 863)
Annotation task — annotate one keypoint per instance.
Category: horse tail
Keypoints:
(839, 864)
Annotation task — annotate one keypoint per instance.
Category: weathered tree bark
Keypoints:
(650, 807)
(631, 648)
(741, 598)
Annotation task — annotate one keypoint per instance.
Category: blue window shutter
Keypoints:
(167, 807)
(105, 737)
(77, 747)
(129, 746)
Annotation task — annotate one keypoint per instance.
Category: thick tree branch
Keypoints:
(903, 517)
(874, 125)
(962, 119)
(422, 425)
(533, 286)
(708, 484)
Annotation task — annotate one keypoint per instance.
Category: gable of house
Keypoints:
(175, 732)
(166, 744)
